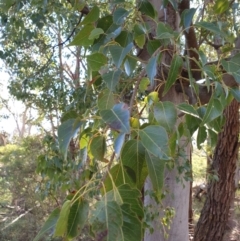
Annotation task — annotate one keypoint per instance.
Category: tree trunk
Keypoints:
(178, 196)
(214, 215)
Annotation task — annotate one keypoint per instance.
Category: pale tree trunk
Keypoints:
(215, 213)
(178, 197)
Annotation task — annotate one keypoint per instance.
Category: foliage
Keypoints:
(114, 131)
(20, 205)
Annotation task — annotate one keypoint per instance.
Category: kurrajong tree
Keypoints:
(136, 106)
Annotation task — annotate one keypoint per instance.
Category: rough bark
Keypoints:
(214, 215)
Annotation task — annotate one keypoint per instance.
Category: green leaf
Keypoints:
(165, 114)
(117, 118)
(77, 218)
(95, 33)
(152, 46)
(66, 131)
(213, 138)
(147, 8)
(129, 65)
(49, 224)
(233, 67)
(164, 32)
(106, 100)
(96, 61)
(212, 27)
(221, 6)
(133, 156)
(187, 17)
(118, 143)
(124, 38)
(132, 226)
(140, 40)
(107, 217)
(118, 176)
(139, 35)
(98, 147)
(92, 16)
(192, 123)
(236, 94)
(112, 79)
(151, 68)
(119, 53)
(150, 137)
(144, 84)
(125, 194)
(175, 69)
(214, 109)
(120, 15)
(62, 223)
(82, 38)
(152, 98)
(202, 135)
(156, 171)
(188, 109)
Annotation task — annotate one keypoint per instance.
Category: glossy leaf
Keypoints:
(98, 147)
(66, 131)
(214, 109)
(92, 16)
(152, 46)
(165, 114)
(124, 38)
(117, 118)
(192, 123)
(61, 226)
(118, 143)
(236, 94)
(164, 32)
(147, 8)
(151, 68)
(186, 18)
(112, 79)
(233, 67)
(119, 53)
(212, 27)
(118, 176)
(201, 136)
(156, 171)
(150, 138)
(106, 100)
(49, 224)
(95, 33)
(175, 69)
(96, 61)
(127, 195)
(188, 109)
(132, 226)
(82, 38)
(77, 218)
(107, 217)
(133, 156)
(129, 65)
(120, 15)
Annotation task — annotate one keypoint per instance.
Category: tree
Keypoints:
(133, 112)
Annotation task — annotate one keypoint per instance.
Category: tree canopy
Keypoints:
(98, 71)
